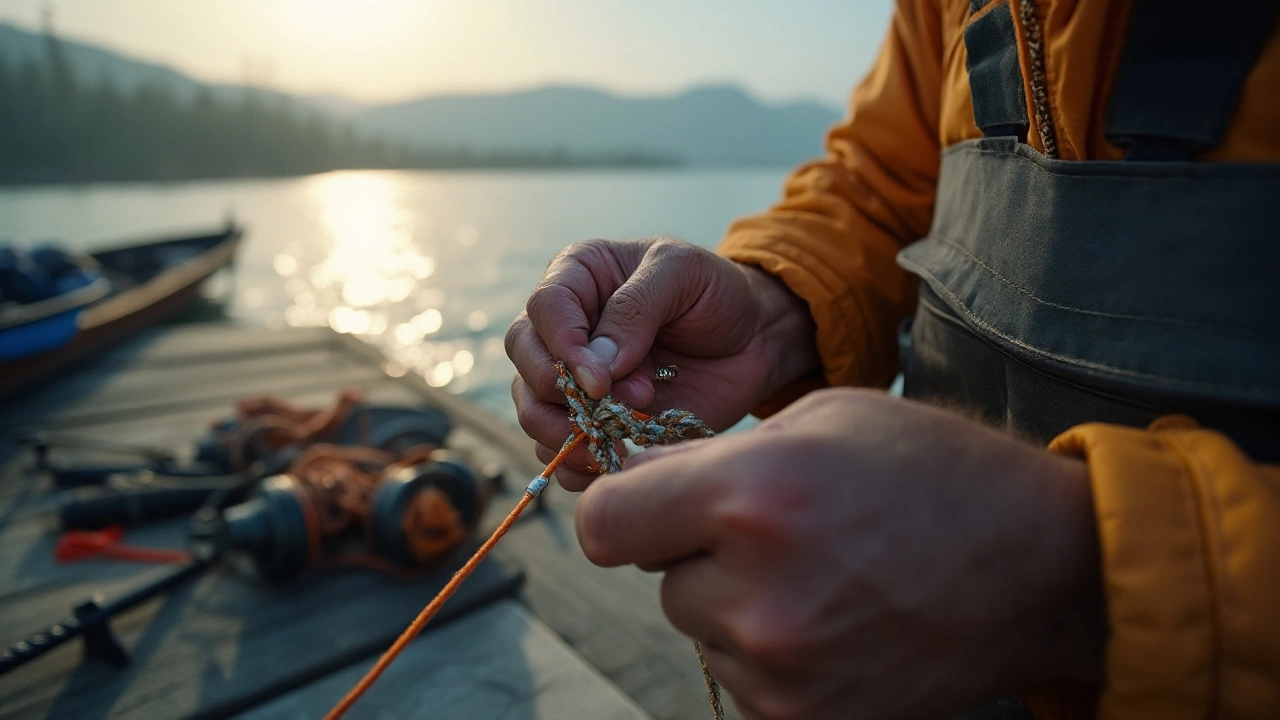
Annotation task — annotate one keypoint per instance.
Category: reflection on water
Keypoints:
(370, 274)
(430, 267)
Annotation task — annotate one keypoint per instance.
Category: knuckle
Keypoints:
(544, 389)
(533, 384)
(530, 421)
(779, 706)
(527, 422)
(826, 397)
(586, 248)
(629, 305)
(593, 528)
(514, 334)
(542, 300)
(666, 249)
(766, 640)
(760, 510)
(590, 255)
(573, 480)
(669, 246)
(746, 517)
(663, 245)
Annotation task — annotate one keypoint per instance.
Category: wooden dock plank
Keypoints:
(27, 566)
(215, 342)
(188, 346)
(500, 662)
(224, 644)
(196, 393)
(612, 617)
(165, 379)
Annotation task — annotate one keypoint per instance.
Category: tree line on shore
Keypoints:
(56, 127)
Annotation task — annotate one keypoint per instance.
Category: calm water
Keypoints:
(429, 266)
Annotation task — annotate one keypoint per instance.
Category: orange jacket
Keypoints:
(1189, 526)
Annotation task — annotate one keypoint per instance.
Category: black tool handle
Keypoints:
(85, 475)
(39, 643)
(68, 476)
(82, 510)
(92, 619)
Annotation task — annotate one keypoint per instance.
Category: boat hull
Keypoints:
(160, 294)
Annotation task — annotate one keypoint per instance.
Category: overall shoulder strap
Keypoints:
(1180, 77)
(995, 74)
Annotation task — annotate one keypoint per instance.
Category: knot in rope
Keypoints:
(606, 422)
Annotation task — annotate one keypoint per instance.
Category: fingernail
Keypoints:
(586, 379)
(605, 349)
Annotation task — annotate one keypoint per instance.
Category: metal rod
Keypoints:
(92, 619)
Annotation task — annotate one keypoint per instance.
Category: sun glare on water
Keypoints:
(368, 275)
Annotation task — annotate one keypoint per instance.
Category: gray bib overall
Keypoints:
(1055, 293)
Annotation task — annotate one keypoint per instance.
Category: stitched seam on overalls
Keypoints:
(1118, 316)
(969, 144)
(1158, 379)
(1102, 176)
(1108, 395)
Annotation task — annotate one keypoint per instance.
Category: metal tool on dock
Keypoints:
(281, 527)
(95, 508)
(92, 619)
(42, 442)
(236, 453)
(280, 530)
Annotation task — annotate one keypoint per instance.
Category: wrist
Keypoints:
(1069, 635)
(784, 327)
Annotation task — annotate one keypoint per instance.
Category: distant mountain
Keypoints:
(713, 125)
(335, 105)
(719, 125)
(92, 64)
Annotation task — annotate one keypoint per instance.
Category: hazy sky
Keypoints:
(388, 50)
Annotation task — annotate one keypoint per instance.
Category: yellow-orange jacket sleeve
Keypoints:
(833, 237)
(1189, 529)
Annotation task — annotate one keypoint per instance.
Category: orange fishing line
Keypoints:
(448, 590)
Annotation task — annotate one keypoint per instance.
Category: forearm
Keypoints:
(833, 236)
(1067, 628)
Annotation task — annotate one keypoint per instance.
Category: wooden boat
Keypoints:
(149, 283)
(36, 327)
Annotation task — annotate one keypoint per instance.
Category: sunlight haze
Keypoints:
(391, 50)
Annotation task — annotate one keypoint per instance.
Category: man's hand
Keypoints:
(858, 556)
(616, 311)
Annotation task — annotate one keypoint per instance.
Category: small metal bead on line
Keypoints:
(666, 374)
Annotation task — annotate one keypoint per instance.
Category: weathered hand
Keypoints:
(859, 556)
(616, 311)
